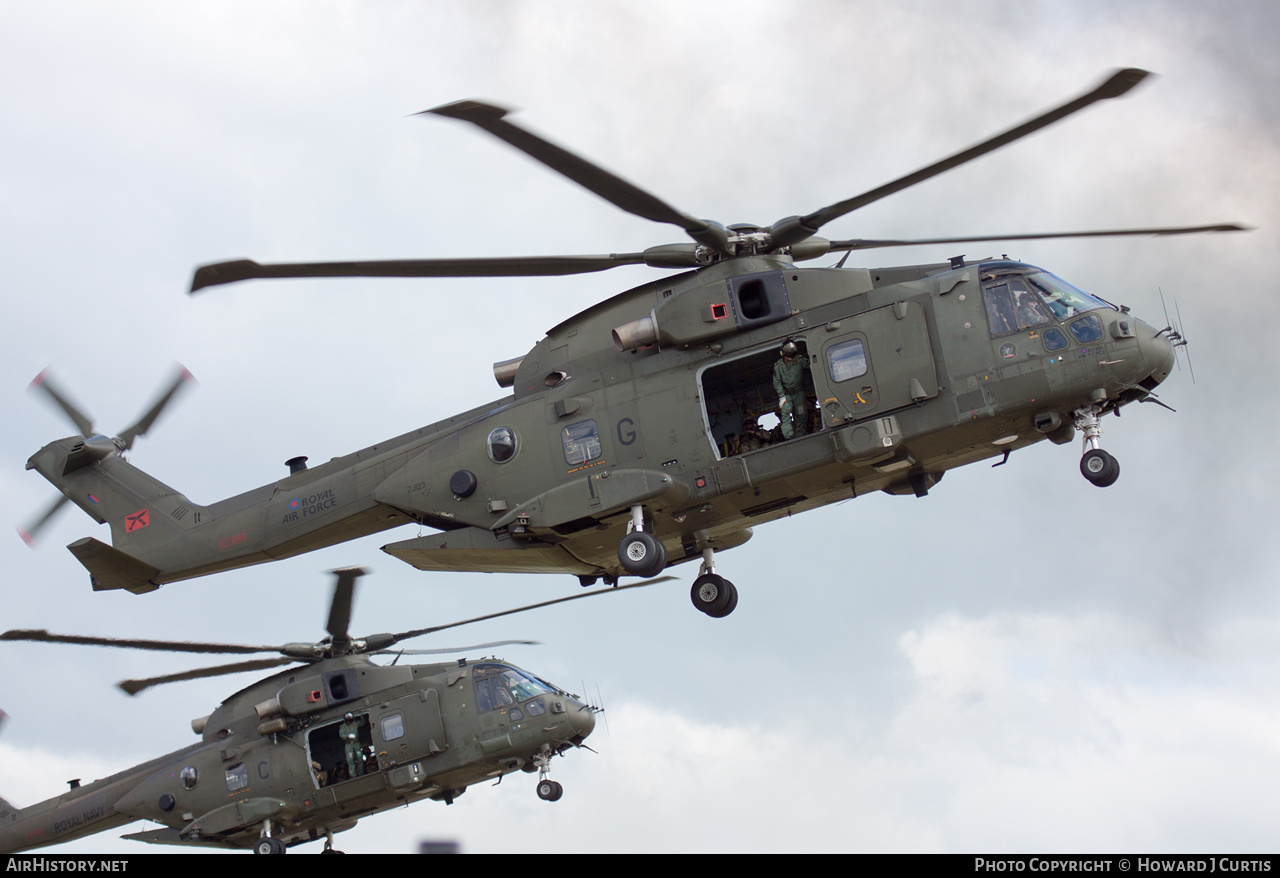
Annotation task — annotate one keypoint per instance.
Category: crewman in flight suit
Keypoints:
(349, 732)
(788, 383)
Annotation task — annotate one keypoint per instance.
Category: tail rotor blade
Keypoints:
(83, 423)
(144, 423)
(32, 530)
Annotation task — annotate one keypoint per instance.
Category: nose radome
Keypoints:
(1158, 352)
(583, 720)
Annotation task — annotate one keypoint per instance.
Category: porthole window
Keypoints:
(502, 444)
(190, 777)
(847, 360)
(581, 442)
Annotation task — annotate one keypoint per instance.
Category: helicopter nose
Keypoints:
(1158, 354)
(583, 721)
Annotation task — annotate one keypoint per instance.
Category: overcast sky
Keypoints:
(1018, 662)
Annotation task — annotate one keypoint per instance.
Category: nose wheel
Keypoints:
(1099, 467)
(548, 789)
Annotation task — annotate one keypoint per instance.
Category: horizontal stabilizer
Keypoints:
(478, 549)
(109, 568)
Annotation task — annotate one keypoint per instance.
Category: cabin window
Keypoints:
(1087, 329)
(237, 777)
(190, 777)
(847, 360)
(502, 444)
(391, 726)
(581, 442)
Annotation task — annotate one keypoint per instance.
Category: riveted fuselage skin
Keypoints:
(273, 752)
(549, 475)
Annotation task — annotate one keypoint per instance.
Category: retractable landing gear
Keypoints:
(639, 553)
(328, 844)
(267, 844)
(712, 593)
(548, 790)
(1099, 467)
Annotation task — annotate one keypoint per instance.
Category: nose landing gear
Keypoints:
(548, 789)
(1099, 467)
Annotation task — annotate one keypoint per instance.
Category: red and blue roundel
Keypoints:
(295, 503)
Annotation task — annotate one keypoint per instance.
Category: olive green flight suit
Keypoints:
(788, 383)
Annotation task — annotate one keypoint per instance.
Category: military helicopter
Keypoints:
(305, 753)
(650, 429)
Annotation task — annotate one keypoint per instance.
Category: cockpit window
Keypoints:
(1087, 329)
(1013, 307)
(1064, 300)
(501, 685)
(1054, 339)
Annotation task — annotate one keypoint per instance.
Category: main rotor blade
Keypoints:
(1116, 85)
(82, 421)
(501, 266)
(144, 423)
(454, 650)
(133, 687)
(32, 530)
(586, 174)
(870, 244)
(39, 635)
(418, 632)
(344, 591)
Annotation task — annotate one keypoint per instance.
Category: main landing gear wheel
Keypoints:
(550, 790)
(1099, 467)
(714, 595)
(268, 846)
(642, 555)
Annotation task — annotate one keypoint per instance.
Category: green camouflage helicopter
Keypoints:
(305, 753)
(663, 424)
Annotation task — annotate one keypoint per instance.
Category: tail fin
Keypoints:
(110, 568)
(144, 514)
